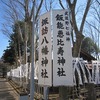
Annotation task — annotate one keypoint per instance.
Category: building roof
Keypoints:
(86, 56)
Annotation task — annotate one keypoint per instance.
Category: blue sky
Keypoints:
(3, 43)
(3, 39)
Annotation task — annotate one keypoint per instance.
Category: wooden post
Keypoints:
(91, 91)
(63, 93)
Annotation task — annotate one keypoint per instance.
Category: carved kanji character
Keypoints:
(60, 51)
(67, 28)
(61, 60)
(59, 17)
(67, 33)
(61, 72)
(66, 22)
(44, 30)
(66, 13)
(45, 50)
(60, 34)
(60, 25)
(45, 21)
(60, 42)
(44, 73)
(67, 38)
(44, 39)
(44, 61)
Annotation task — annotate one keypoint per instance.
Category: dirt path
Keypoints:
(6, 91)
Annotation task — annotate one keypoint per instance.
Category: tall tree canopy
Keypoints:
(15, 49)
(9, 55)
(89, 46)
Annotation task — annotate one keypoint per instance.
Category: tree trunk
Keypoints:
(77, 45)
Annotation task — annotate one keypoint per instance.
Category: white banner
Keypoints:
(87, 66)
(77, 69)
(45, 52)
(98, 72)
(82, 65)
(95, 72)
(62, 52)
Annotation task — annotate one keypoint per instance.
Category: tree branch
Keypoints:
(96, 14)
(98, 2)
(69, 3)
(72, 8)
(85, 14)
(46, 6)
(74, 4)
(61, 4)
(38, 9)
(93, 26)
(20, 3)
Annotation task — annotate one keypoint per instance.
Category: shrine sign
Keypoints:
(55, 53)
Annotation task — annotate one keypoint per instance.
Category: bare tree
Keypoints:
(78, 30)
(11, 17)
(21, 10)
(94, 26)
(49, 5)
(17, 10)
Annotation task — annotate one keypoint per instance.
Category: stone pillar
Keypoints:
(23, 97)
(46, 93)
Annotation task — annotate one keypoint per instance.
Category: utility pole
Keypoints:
(32, 57)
